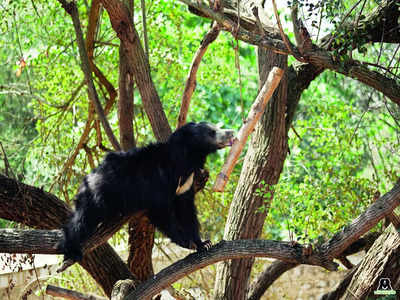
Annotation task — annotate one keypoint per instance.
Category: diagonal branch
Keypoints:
(211, 35)
(72, 10)
(283, 35)
(354, 69)
(266, 278)
(122, 23)
(363, 223)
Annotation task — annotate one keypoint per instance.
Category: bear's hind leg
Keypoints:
(78, 230)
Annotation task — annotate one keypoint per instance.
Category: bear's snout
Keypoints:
(225, 137)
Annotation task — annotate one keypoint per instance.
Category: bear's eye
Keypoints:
(211, 133)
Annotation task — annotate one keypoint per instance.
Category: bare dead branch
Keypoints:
(254, 115)
(211, 35)
(56, 291)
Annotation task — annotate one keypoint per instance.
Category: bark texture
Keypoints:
(141, 241)
(299, 76)
(381, 261)
(121, 22)
(223, 251)
(263, 163)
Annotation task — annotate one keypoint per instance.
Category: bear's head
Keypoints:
(202, 137)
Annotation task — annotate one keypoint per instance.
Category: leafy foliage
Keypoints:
(334, 167)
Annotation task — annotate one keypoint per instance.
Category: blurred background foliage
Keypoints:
(344, 142)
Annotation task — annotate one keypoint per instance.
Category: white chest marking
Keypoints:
(186, 186)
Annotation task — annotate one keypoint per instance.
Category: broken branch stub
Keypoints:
(254, 115)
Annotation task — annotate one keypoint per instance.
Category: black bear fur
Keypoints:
(156, 179)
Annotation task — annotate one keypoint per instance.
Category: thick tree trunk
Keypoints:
(263, 163)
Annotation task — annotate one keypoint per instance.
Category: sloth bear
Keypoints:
(156, 179)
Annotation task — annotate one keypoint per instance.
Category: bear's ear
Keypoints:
(182, 133)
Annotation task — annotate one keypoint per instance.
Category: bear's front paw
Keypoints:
(204, 246)
(188, 244)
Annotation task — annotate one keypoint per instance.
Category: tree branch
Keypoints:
(283, 35)
(36, 208)
(123, 25)
(227, 250)
(30, 241)
(268, 277)
(316, 56)
(211, 35)
(383, 255)
(56, 291)
(265, 279)
(285, 251)
(126, 97)
(248, 126)
(363, 223)
(224, 250)
(72, 10)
